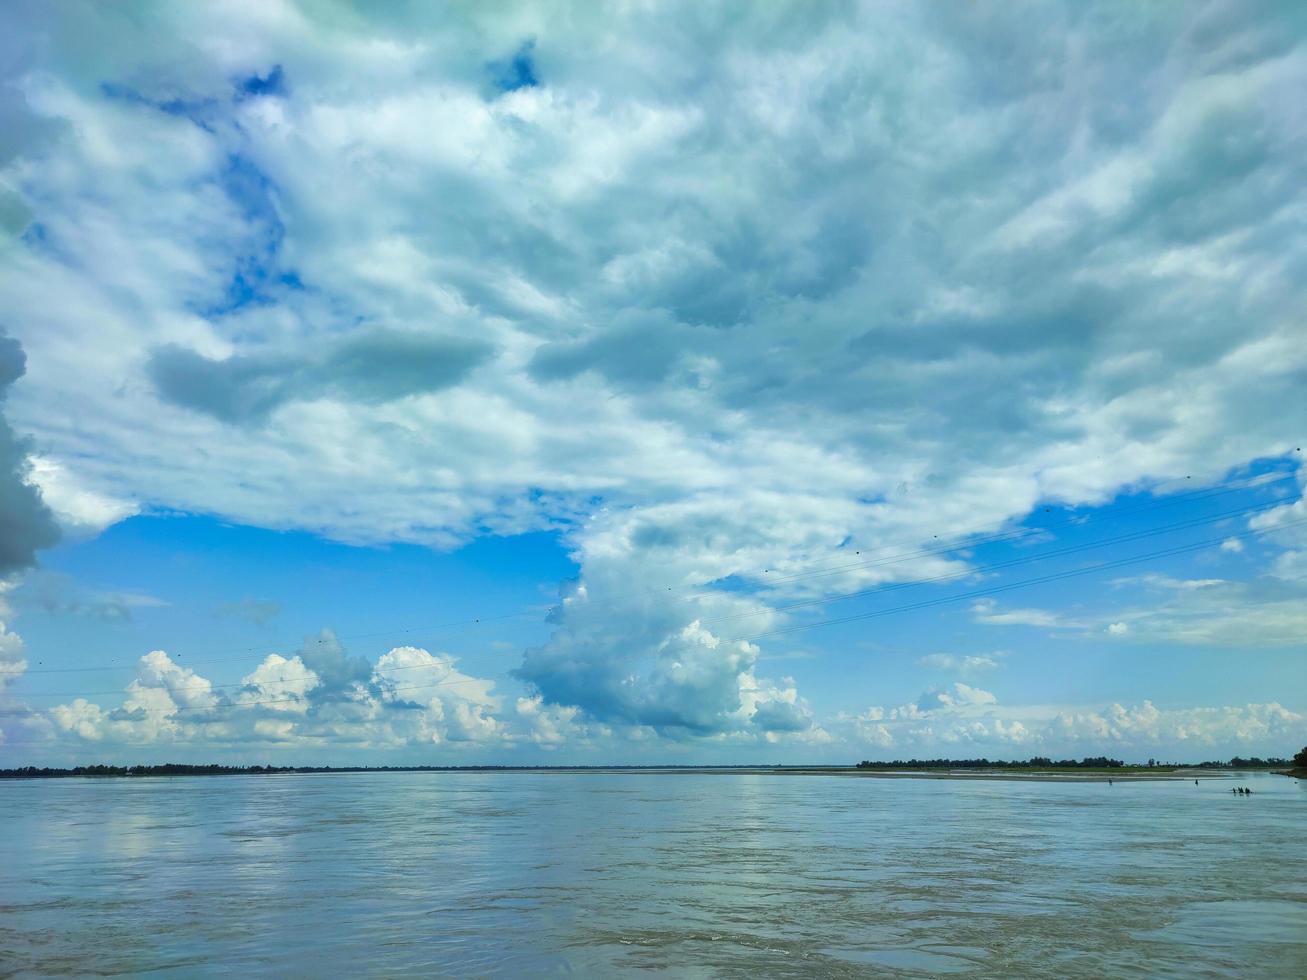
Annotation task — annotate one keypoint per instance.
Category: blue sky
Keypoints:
(702, 383)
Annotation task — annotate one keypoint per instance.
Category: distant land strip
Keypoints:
(935, 767)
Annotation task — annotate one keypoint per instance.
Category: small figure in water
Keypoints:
(1195, 782)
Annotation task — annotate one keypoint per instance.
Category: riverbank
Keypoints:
(1042, 774)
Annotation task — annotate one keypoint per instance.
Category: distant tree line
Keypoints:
(1038, 762)
(180, 769)
(1238, 762)
(1299, 761)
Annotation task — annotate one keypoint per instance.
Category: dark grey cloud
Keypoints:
(638, 350)
(26, 523)
(781, 716)
(56, 594)
(638, 664)
(260, 612)
(372, 367)
(326, 656)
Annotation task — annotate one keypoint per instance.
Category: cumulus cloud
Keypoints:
(26, 523)
(164, 701)
(685, 681)
(967, 721)
(279, 683)
(12, 662)
(452, 706)
(551, 726)
(1269, 723)
(409, 697)
(962, 696)
(633, 660)
(968, 664)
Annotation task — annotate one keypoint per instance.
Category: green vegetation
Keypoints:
(1091, 764)
(179, 769)
(1241, 763)
(1038, 762)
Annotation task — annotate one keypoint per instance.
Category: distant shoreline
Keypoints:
(1050, 774)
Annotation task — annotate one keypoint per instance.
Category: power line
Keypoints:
(995, 590)
(1017, 534)
(301, 699)
(204, 685)
(1011, 535)
(1011, 562)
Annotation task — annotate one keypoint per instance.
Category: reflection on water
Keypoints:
(689, 875)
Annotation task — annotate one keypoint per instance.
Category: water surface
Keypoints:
(686, 875)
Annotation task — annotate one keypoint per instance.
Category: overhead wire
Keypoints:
(998, 589)
(1009, 563)
(204, 685)
(924, 604)
(1013, 534)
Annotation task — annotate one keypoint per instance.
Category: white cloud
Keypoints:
(180, 685)
(1170, 583)
(164, 701)
(960, 698)
(988, 612)
(1286, 525)
(80, 511)
(968, 664)
(81, 718)
(280, 684)
(26, 524)
(454, 706)
(1145, 724)
(409, 697)
(548, 726)
(978, 721)
(1217, 613)
(863, 312)
(12, 662)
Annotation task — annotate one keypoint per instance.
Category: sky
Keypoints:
(652, 383)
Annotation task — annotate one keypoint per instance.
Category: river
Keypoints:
(625, 874)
